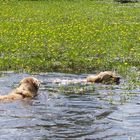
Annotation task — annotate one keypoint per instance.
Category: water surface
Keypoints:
(104, 112)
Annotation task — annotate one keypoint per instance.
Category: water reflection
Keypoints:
(97, 114)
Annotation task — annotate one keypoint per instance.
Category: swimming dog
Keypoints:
(27, 88)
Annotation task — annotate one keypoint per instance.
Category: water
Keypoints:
(106, 113)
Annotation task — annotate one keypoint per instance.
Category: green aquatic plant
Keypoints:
(69, 36)
(77, 88)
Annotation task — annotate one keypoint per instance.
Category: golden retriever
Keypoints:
(27, 88)
(104, 77)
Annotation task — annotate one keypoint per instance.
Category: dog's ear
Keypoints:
(36, 82)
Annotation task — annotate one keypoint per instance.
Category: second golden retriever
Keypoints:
(27, 88)
(104, 77)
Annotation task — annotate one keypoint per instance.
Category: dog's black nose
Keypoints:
(117, 80)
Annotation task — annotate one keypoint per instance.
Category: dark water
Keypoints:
(106, 113)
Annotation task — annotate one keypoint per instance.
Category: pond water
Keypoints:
(105, 112)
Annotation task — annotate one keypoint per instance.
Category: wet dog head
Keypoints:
(29, 86)
(31, 80)
(107, 77)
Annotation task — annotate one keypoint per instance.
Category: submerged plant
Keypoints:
(72, 88)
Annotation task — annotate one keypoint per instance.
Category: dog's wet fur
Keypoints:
(106, 77)
(27, 88)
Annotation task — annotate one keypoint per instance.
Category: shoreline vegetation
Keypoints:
(73, 36)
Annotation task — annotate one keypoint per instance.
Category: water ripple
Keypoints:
(103, 113)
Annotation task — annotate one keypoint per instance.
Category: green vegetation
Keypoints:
(69, 35)
(77, 88)
(126, 1)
